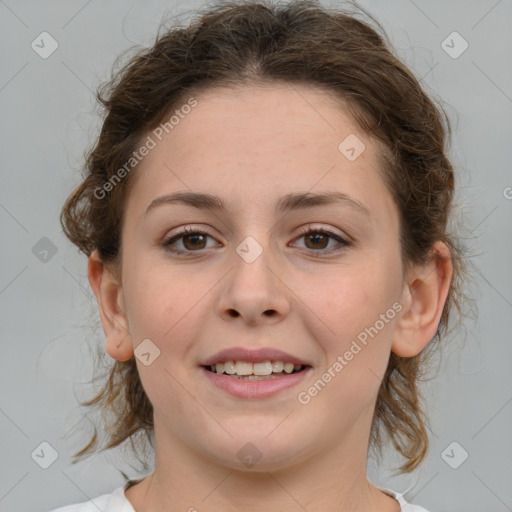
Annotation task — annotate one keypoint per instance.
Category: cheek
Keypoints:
(168, 306)
(353, 297)
(358, 307)
(157, 296)
(162, 307)
(356, 356)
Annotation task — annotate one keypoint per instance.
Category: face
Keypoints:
(249, 276)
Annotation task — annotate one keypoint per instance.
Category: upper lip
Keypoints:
(253, 355)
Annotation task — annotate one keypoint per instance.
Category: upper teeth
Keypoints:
(246, 368)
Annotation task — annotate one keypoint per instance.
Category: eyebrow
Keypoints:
(289, 202)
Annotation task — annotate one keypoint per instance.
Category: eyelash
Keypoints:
(306, 231)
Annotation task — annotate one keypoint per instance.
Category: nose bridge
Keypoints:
(253, 288)
(254, 260)
(250, 249)
(254, 234)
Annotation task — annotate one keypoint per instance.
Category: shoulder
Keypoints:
(404, 505)
(113, 502)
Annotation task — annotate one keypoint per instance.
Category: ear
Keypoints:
(109, 295)
(423, 300)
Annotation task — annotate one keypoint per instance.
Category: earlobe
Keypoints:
(108, 292)
(424, 298)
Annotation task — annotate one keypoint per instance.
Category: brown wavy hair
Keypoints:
(240, 43)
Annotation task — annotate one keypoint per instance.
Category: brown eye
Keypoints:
(192, 240)
(317, 239)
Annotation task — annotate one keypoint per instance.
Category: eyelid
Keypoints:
(187, 229)
(184, 231)
(319, 227)
(342, 239)
(302, 230)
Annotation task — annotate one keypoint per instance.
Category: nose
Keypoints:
(254, 289)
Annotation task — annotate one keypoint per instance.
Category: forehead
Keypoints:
(254, 119)
(262, 139)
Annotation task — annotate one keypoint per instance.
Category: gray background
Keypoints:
(48, 121)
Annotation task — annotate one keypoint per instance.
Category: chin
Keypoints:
(254, 450)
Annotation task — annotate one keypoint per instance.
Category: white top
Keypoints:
(118, 502)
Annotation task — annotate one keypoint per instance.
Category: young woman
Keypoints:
(265, 216)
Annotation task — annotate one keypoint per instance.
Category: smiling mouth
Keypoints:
(255, 371)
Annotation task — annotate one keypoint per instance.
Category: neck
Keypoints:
(333, 481)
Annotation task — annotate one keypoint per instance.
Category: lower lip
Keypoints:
(255, 388)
